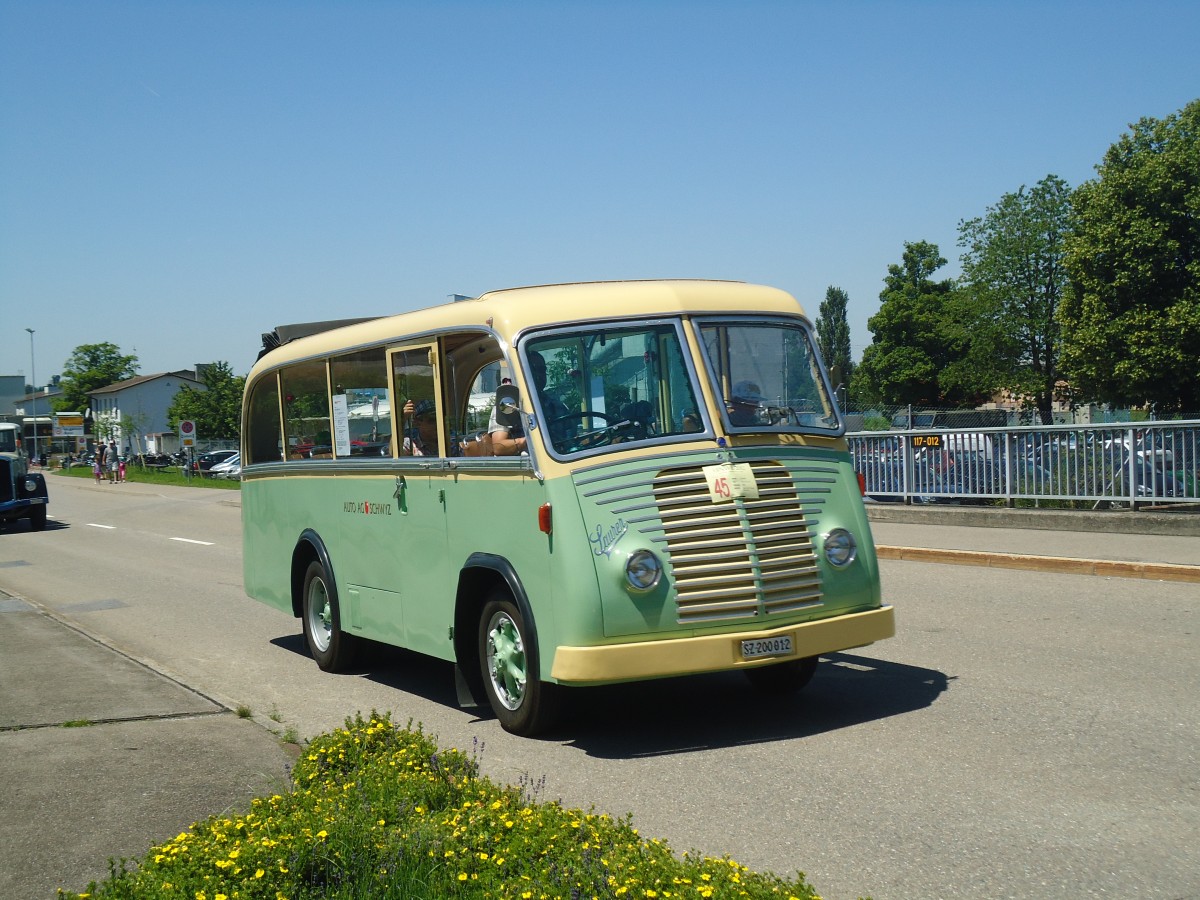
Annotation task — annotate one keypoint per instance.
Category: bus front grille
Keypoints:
(743, 559)
(739, 559)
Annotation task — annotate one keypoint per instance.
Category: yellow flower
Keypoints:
(462, 876)
(259, 873)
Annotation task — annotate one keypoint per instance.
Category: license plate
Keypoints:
(776, 646)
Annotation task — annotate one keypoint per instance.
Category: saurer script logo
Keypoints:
(367, 508)
(603, 541)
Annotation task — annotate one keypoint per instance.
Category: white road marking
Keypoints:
(190, 541)
(94, 525)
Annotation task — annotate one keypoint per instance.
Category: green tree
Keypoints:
(833, 335)
(89, 368)
(1131, 318)
(1013, 280)
(912, 342)
(217, 409)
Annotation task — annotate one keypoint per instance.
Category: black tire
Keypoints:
(508, 661)
(37, 518)
(332, 648)
(783, 678)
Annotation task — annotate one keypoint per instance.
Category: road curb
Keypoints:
(1181, 521)
(1062, 565)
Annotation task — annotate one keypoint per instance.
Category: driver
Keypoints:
(744, 404)
(508, 432)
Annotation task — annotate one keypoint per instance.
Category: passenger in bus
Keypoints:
(744, 403)
(422, 438)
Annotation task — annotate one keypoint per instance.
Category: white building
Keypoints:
(136, 408)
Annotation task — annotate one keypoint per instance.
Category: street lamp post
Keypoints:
(33, 377)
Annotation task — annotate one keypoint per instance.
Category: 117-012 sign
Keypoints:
(926, 440)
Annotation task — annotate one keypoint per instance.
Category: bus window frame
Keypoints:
(430, 346)
(677, 324)
(717, 377)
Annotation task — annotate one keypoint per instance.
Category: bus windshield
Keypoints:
(768, 375)
(612, 384)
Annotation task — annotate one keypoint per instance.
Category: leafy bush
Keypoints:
(379, 811)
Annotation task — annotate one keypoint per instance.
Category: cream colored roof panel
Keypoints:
(510, 311)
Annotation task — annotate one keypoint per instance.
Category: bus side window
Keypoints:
(418, 425)
(264, 442)
(362, 378)
(305, 391)
(473, 371)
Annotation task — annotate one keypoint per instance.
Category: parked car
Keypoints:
(230, 468)
(205, 461)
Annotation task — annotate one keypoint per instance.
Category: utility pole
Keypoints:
(33, 378)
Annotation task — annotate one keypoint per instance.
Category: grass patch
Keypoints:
(171, 476)
(379, 811)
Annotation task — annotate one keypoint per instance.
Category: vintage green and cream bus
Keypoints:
(562, 486)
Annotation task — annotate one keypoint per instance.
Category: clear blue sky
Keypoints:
(178, 177)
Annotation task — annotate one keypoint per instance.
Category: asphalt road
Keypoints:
(1026, 734)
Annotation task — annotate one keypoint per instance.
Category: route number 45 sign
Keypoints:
(728, 481)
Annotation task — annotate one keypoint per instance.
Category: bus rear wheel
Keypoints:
(783, 678)
(522, 702)
(333, 649)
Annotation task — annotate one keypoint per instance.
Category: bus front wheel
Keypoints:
(522, 702)
(330, 647)
(783, 678)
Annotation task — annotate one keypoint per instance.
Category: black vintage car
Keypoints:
(22, 493)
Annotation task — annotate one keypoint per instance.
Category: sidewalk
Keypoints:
(101, 757)
(1121, 544)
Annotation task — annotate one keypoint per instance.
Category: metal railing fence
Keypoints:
(1137, 463)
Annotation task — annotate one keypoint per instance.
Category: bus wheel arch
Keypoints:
(315, 601)
(493, 606)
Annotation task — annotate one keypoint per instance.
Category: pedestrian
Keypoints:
(121, 469)
(112, 458)
(98, 462)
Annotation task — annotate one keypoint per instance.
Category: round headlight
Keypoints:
(642, 570)
(31, 485)
(840, 547)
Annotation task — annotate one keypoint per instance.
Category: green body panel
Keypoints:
(397, 540)
(399, 536)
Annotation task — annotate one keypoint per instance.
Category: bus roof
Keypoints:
(510, 311)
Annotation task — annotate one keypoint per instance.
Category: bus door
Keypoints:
(417, 564)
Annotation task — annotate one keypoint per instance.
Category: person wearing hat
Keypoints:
(422, 440)
(505, 428)
(744, 403)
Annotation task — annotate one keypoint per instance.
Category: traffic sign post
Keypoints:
(187, 441)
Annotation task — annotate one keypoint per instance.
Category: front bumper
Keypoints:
(716, 652)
